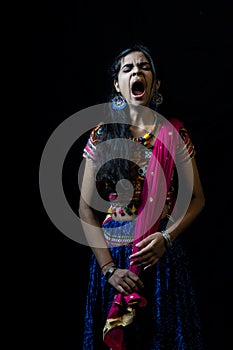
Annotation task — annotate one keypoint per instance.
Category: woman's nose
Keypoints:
(136, 70)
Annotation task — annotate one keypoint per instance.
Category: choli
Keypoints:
(128, 206)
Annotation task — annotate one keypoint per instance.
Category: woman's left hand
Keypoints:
(151, 250)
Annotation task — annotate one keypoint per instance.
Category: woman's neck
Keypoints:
(141, 118)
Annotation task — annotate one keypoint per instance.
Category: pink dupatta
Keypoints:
(154, 193)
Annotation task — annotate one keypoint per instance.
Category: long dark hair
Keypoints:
(117, 168)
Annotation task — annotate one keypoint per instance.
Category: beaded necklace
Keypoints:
(145, 139)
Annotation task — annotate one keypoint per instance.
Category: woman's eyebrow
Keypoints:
(142, 63)
(127, 65)
(138, 64)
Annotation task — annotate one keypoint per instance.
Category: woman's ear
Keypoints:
(116, 84)
(156, 86)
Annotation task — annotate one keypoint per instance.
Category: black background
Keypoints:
(72, 46)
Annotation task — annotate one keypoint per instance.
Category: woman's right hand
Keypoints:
(125, 281)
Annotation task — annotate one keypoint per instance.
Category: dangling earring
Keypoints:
(156, 100)
(118, 103)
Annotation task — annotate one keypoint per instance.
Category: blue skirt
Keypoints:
(170, 321)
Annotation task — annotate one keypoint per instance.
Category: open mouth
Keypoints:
(138, 89)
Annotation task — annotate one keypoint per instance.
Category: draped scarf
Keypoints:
(154, 192)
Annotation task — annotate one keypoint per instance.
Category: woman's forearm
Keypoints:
(94, 236)
(195, 208)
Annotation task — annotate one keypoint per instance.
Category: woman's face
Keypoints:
(135, 79)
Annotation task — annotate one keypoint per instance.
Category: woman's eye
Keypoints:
(146, 67)
(127, 69)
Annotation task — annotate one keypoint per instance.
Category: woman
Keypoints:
(139, 293)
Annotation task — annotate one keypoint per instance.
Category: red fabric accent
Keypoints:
(115, 339)
(161, 166)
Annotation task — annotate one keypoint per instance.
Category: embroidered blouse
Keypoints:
(123, 207)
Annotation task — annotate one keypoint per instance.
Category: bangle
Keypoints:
(167, 239)
(110, 272)
(106, 264)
